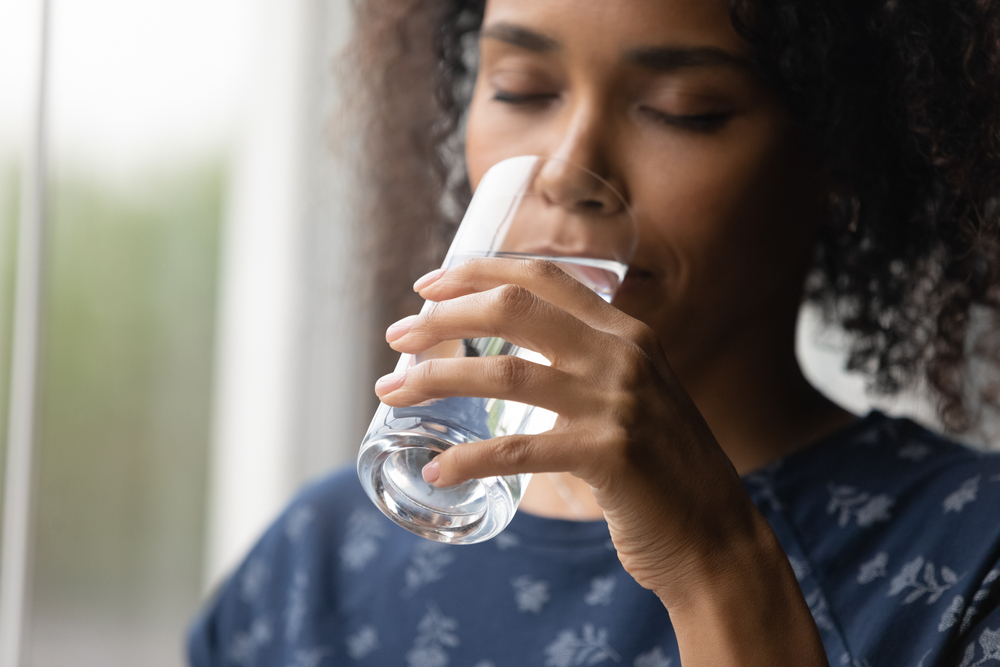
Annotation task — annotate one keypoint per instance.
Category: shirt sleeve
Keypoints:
(236, 626)
(256, 617)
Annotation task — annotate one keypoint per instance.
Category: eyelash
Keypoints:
(515, 99)
(707, 122)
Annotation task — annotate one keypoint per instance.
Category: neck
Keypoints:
(755, 398)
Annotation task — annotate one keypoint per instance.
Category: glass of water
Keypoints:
(525, 207)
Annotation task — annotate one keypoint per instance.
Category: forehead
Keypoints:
(618, 25)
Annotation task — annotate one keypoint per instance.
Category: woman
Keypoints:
(702, 503)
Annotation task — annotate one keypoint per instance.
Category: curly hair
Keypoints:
(901, 100)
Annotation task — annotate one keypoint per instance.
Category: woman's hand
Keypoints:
(625, 425)
(680, 520)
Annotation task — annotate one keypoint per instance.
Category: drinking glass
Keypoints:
(526, 207)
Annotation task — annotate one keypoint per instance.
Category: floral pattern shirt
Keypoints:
(893, 533)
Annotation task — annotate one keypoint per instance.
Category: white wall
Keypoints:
(291, 352)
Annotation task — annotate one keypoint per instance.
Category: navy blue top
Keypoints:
(892, 531)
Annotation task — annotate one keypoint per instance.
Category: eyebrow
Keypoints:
(524, 38)
(669, 58)
(519, 36)
(657, 58)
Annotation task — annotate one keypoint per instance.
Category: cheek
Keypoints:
(480, 143)
(487, 139)
(736, 215)
(494, 133)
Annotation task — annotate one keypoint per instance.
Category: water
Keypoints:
(402, 440)
(603, 276)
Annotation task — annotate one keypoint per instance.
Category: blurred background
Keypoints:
(203, 345)
(205, 342)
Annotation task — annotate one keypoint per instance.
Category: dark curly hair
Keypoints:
(902, 102)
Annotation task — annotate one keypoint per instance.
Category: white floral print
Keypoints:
(363, 642)
(298, 521)
(952, 613)
(819, 609)
(654, 658)
(427, 564)
(296, 610)
(846, 659)
(435, 633)
(896, 570)
(601, 589)
(872, 569)
(847, 502)
(309, 658)
(365, 530)
(256, 574)
(571, 650)
(915, 451)
(530, 594)
(800, 567)
(909, 577)
(989, 642)
(964, 495)
(246, 644)
(763, 479)
(506, 540)
(949, 619)
(870, 437)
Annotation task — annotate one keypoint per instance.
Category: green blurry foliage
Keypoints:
(125, 404)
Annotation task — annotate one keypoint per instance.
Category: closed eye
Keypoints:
(523, 99)
(706, 122)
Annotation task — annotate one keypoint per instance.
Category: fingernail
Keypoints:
(431, 472)
(427, 279)
(390, 382)
(399, 329)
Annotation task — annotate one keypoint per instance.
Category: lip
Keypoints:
(550, 250)
(637, 273)
(636, 282)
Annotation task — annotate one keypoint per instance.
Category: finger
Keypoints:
(508, 455)
(548, 280)
(509, 312)
(505, 377)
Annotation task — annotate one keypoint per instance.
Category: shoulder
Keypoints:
(887, 476)
(919, 469)
(894, 459)
(293, 577)
(890, 528)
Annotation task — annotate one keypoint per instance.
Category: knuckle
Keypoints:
(545, 269)
(512, 300)
(511, 453)
(431, 316)
(509, 372)
(643, 336)
(625, 407)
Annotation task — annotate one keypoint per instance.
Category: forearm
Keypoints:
(745, 608)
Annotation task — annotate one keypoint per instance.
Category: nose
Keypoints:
(578, 176)
(577, 189)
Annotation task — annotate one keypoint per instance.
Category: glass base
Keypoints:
(390, 467)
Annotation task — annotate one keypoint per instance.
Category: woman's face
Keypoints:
(660, 98)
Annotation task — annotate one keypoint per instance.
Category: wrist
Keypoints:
(738, 603)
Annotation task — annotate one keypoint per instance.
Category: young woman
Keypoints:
(701, 503)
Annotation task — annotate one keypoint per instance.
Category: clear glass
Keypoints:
(527, 208)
